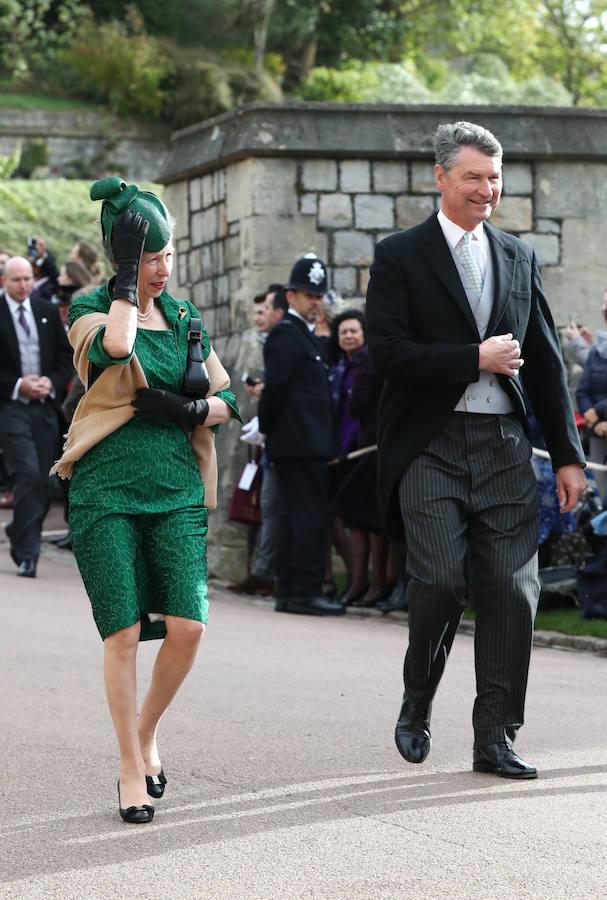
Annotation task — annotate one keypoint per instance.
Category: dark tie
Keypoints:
(23, 321)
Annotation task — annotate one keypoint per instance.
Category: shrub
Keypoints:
(34, 155)
(366, 83)
(119, 64)
(196, 91)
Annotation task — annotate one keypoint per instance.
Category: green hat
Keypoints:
(118, 197)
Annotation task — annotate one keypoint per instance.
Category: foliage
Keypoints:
(34, 155)
(9, 164)
(58, 210)
(119, 63)
(366, 82)
(32, 34)
(199, 89)
(493, 84)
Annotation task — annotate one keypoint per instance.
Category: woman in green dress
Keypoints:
(136, 456)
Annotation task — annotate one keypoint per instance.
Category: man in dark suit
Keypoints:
(296, 415)
(460, 329)
(35, 366)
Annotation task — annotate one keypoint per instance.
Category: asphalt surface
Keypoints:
(284, 781)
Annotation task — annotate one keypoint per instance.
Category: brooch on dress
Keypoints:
(182, 312)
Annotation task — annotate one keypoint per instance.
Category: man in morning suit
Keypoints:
(35, 366)
(296, 415)
(458, 326)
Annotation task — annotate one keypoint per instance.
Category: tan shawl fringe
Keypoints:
(106, 406)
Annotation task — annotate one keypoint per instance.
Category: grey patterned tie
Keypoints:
(471, 266)
(23, 320)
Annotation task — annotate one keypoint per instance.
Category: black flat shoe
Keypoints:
(155, 785)
(135, 815)
(500, 759)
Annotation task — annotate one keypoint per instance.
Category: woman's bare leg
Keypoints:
(119, 666)
(174, 661)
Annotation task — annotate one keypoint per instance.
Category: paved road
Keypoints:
(283, 778)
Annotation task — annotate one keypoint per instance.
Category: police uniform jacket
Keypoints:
(295, 410)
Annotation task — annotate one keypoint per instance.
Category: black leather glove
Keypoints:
(128, 237)
(186, 413)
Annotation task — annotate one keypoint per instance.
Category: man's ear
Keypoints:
(439, 177)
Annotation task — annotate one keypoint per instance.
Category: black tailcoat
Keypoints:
(424, 343)
(55, 351)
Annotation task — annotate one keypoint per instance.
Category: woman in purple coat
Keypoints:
(356, 393)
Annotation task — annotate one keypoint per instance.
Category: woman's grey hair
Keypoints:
(449, 139)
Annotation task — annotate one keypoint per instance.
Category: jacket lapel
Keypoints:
(8, 327)
(45, 337)
(503, 255)
(435, 249)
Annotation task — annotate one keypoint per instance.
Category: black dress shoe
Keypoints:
(27, 568)
(135, 815)
(396, 601)
(500, 759)
(155, 785)
(351, 598)
(64, 543)
(412, 734)
(315, 606)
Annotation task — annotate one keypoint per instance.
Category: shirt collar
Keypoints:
(453, 233)
(15, 306)
(309, 325)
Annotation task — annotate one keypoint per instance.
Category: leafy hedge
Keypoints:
(60, 211)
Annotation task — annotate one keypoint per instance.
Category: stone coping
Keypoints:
(381, 131)
(554, 639)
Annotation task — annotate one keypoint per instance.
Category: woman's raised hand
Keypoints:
(128, 237)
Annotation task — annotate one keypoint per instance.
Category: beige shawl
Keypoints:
(106, 406)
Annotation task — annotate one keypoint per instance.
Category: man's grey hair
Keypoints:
(448, 140)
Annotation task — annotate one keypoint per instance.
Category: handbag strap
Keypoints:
(195, 331)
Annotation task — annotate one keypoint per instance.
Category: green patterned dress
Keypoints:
(137, 513)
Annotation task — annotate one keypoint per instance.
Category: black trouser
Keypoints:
(470, 511)
(28, 437)
(304, 520)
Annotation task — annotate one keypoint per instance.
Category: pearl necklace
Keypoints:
(147, 315)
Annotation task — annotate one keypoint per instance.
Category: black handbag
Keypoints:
(196, 381)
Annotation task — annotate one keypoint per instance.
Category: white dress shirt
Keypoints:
(485, 395)
(29, 347)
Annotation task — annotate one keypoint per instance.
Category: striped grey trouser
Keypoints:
(470, 512)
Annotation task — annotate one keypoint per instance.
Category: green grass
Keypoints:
(42, 101)
(57, 210)
(565, 620)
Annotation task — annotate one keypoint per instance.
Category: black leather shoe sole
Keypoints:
(486, 769)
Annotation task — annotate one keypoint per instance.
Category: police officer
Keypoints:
(295, 414)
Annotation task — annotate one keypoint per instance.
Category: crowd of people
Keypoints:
(39, 387)
(318, 400)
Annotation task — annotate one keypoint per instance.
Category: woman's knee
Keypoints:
(187, 632)
(125, 641)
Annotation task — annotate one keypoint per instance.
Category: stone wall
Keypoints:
(94, 140)
(256, 189)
